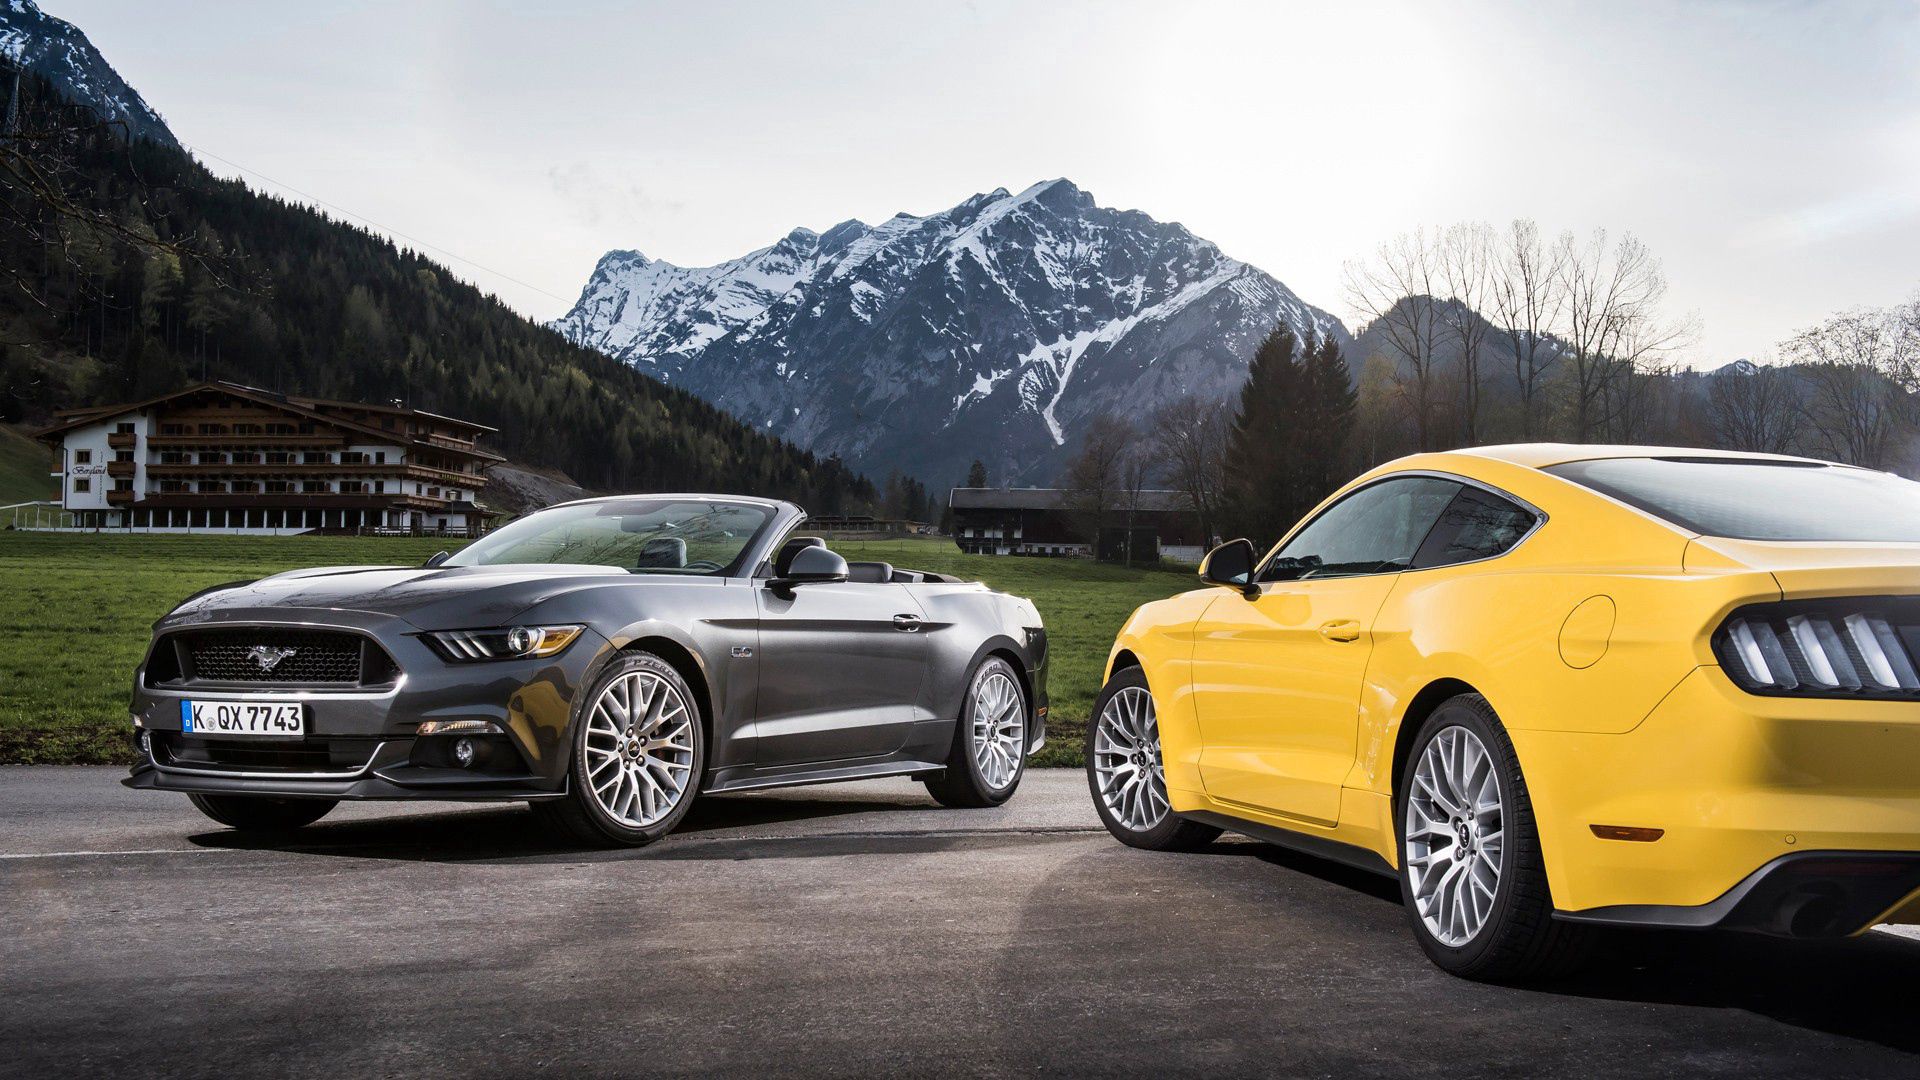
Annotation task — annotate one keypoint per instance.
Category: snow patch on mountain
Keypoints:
(56, 49)
(995, 329)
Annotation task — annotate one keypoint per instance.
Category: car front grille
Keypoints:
(269, 656)
(309, 755)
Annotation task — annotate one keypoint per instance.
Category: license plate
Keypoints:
(263, 719)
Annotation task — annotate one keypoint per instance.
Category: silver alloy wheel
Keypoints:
(1126, 760)
(999, 729)
(639, 749)
(1454, 831)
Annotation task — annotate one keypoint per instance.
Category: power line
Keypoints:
(363, 219)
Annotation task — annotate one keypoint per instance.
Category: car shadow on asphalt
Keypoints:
(1861, 988)
(512, 834)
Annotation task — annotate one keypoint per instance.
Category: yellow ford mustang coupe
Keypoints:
(1552, 688)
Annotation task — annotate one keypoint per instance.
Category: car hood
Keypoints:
(438, 598)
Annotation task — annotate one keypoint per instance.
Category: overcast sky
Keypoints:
(1769, 153)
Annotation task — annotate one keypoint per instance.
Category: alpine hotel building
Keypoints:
(225, 457)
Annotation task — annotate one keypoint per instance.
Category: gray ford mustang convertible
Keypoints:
(604, 661)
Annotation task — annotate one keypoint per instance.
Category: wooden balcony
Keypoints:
(121, 440)
(120, 498)
(318, 438)
(122, 469)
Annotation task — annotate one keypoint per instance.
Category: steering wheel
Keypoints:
(702, 564)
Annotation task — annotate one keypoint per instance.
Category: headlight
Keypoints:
(1854, 647)
(504, 643)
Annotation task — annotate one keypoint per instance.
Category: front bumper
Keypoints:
(361, 743)
(1781, 815)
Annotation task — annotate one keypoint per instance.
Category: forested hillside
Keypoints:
(127, 270)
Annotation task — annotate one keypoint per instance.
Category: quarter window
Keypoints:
(1375, 530)
(1475, 525)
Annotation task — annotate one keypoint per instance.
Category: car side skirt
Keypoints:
(1359, 858)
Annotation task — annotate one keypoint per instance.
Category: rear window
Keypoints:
(1749, 500)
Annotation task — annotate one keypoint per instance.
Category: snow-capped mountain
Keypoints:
(55, 48)
(996, 329)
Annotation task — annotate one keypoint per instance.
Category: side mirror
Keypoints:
(811, 566)
(438, 558)
(1231, 565)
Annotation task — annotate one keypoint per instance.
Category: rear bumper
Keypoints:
(1775, 814)
(1813, 894)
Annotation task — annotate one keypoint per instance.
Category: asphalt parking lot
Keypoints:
(847, 930)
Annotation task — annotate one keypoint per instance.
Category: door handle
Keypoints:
(1341, 630)
(906, 623)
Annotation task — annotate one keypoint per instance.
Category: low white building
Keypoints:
(223, 457)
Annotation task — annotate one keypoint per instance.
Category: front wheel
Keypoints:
(638, 749)
(1471, 873)
(1125, 772)
(989, 753)
(257, 814)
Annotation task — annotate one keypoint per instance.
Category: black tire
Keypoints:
(960, 785)
(578, 816)
(1519, 939)
(259, 814)
(1171, 832)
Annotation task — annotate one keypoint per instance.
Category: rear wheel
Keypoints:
(1471, 873)
(1125, 772)
(254, 813)
(637, 754)
(989, 752)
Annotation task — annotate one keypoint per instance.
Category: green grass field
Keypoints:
(75, 612)
(24, 467)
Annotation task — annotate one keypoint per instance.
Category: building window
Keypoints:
(433, 493)
(246, 429)
(83, 457)
(82, 484)
(211, 487)
(314, 487)
(314, 457)
(352, 457)
(213, 459)
(281, 429)
(175, 457)
(352, 487)
(279, 457)
(173, 429)
(174, 487)
(123, 429)
(213, 429)
(279, 487)
(245, 487)
(379, 487)
(379, 457)
(123, 485)
(123, 455)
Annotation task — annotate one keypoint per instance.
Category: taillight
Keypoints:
(1857, 647)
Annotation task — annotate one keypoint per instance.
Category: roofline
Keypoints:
(263, 397)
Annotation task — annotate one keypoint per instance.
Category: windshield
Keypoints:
(642, 536)
(1759, 500)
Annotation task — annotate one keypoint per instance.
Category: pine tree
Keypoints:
(1332, 403)
(977, 474)
(1261, 442)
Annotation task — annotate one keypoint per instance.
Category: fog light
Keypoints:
(146, 742)
(458, 727)
(464, 752)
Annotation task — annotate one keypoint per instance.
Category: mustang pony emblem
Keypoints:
(268, 656)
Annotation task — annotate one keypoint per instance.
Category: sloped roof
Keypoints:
(970, 498)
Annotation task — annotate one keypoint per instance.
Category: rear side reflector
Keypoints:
(1627, 832)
